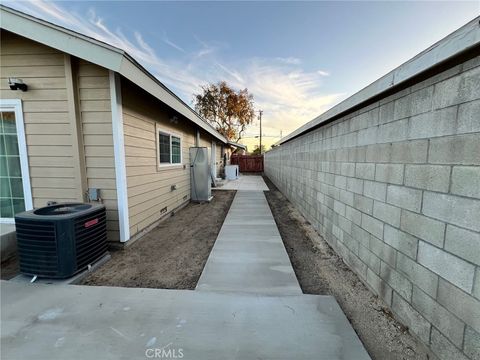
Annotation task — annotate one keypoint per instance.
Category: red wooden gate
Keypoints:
(248, 163)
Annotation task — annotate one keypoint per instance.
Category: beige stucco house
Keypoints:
(92, 118)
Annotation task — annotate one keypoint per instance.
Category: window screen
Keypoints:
(164, 141)
(176, 150)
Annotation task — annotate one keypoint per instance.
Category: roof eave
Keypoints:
(101, 54)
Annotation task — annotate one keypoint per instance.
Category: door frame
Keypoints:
(15, 105)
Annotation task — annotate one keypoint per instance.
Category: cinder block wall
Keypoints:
(394, 188)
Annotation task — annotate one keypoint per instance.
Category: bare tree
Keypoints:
(229, 111)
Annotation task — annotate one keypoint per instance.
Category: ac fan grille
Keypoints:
(37, 247)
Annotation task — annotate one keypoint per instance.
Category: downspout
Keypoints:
(197, 139)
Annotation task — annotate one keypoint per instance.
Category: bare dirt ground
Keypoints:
(172, 255)
(320, 271)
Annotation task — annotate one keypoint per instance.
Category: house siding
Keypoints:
(149, 189)
(68, 124)
(96, 119)
(394, 189)
(65, 96)
(46, 115)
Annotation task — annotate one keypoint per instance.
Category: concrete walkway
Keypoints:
(248, 255)
(245, 183)
(249, 305)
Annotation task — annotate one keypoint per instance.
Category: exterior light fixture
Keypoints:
(17, 84)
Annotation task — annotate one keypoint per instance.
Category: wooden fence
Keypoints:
(248, 163)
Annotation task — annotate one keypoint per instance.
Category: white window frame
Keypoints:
(163, 131)
(15, 105)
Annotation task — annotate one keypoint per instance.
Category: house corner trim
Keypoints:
(119, 153)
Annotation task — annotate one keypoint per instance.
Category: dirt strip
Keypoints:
(172, 255)
(321, 271)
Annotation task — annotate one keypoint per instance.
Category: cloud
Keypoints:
(167, 41)
(289, 60)
(288, 94)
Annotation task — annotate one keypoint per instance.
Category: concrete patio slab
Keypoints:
(248, 255)
(245, 182)
(81, 322)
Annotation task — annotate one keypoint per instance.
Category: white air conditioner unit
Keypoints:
(232, 172)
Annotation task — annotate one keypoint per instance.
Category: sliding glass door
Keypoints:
(14, 181)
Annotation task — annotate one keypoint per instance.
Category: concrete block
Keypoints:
(456, 149)
(452, 209)
(346, 197)
(423, 227)
(395, 96)
(429, 177)
(369, 258)
(373, 116)
(379, 287)
(385, 252)
(375, 190)
(339, 207)
(387, 213)
(476, 285)
(471, 346)
(353, 215)
(441, 318)
(404, 197)
(443, 348)
(350, 243)
(391, 132)
(329, 179)
(458, 89)
(347, 169)
(363, 204)
(385, 113)
(379, 153)
(466, 180)
(357, 154)
(468, 120)
(433, 124)
(359, 122)
(414, 103)
(463, 305)
(340, 182)
(365, 171)
(345, 225)
(463, 243)
(397, 281)
(389, 173)
(438, 77)
(359, 267)
(400, 240)
(367, 136)
(418, 275)
(452, 268)
(413, 151)
(355, 185)
(372, 225)
(416, 323)
(362, 236)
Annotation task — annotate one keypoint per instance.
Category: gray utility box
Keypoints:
(200, 174)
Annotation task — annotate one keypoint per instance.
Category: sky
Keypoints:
(298, 59)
